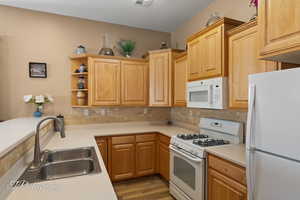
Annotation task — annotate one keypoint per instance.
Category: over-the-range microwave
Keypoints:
(210, 93)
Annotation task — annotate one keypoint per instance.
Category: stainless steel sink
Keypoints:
(71, 168)
(70, 154)
(63, 164)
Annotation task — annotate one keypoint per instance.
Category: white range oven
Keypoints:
(187, 173)
(210, 93)
(188, 156)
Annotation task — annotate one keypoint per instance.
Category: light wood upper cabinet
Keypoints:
(211, 51)
(280, 30)
(194, 67)
(180, 80)
(243, 61)
(161, 68)
(160, 71)
(145, 158)
(134, 83)
(207, 51)
(105, 81)
(114, 82)
(123, 161)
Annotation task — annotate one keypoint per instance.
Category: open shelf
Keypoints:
(75, 64)
(82, 90)
(80, 74)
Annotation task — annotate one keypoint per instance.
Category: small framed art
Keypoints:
(37, 70)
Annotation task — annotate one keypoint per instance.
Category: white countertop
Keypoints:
(99, 186)
(233, 153)
(15, 131)
(91, 187)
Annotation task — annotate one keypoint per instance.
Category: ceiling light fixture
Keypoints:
(144, 3)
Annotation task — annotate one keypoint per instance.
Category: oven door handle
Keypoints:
(190, 157)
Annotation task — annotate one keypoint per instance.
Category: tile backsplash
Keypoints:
(9, 159)
(191, 116)
(116, 114)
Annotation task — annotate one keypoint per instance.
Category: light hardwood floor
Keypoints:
(146, 188)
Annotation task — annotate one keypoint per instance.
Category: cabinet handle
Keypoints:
(194, 73)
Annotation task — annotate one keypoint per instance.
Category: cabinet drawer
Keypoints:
(229, 169)
(123, 139)
(146, 137)
(164, 139)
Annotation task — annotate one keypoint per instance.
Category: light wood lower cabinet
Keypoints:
(123, 161)
(226, 181)
(145, 158)
(135, 155)
(103, 148)
(164, 157)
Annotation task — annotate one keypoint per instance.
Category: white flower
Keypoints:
(39, 99)
(50, 98)
(27, 98)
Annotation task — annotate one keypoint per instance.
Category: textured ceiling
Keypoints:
(162, 15)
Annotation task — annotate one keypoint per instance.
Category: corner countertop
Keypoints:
(91, 187)
(15, 131)
(232, 153)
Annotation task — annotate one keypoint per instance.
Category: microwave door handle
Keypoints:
(249, 143)
(185, 155)
(210, 93)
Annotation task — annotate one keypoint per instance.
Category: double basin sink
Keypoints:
(63, 164)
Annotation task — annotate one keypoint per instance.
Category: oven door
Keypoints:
(187, 173)
(199, 96)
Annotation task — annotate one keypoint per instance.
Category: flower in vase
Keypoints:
(39, 99)
(27, 98)
(254, 3)
(49, 98)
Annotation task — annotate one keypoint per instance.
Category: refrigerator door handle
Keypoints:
(249, 145)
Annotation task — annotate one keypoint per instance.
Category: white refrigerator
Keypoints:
(273, 136)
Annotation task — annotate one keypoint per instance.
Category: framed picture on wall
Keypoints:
(37, 70)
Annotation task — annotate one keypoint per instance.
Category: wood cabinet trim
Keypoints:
(123, 139)
(224, 20)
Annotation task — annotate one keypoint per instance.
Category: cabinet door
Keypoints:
(211, 53)
(280, 29)
(160, 72)
(134, 83)
(123, 161)
(105, 82)
(180, 80)
(194, 67)
(243, 61)
(221, 187)
(145, 158)
(103, 148)
(164, 161)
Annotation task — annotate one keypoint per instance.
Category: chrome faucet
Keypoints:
(59, 126)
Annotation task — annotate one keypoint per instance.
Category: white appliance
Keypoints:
(210, 93)
(273, 135)
(188, 157)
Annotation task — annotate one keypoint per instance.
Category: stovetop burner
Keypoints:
(209, 142)
(192, 136)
